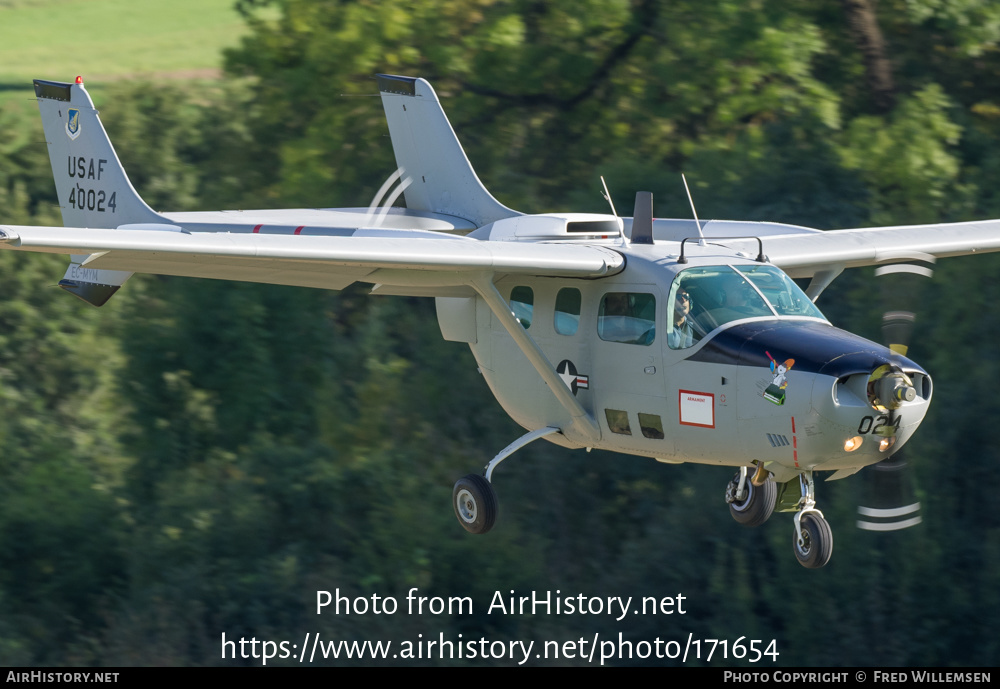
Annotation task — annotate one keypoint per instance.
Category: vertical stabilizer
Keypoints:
(429, 152)
(91, 184)
(93, 189)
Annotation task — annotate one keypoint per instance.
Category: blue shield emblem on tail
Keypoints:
(73, 123)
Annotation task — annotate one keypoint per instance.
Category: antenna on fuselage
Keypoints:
(701, 235)
(607, 195)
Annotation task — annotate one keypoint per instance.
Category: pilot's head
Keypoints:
(682, 305)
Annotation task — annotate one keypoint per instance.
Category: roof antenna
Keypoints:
(607, 195)
(701, 235)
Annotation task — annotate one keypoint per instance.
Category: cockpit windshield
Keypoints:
(704, 298)
(781, 292)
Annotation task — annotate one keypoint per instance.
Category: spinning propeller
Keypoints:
(891, 502)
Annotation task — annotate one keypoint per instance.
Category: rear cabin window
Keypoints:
(627, 317)
(567, 317)
(522, 303)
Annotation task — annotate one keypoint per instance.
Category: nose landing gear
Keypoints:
(813, 541)
(813, 538)
(751, 502)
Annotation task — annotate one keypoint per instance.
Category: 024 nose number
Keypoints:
(873, 424)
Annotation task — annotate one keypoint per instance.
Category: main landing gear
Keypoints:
(752, 500)
(475, 502)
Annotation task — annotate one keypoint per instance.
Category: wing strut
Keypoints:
(583, 423)
(822, 279)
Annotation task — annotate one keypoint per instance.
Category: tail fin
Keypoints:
(428, 150)
(93, 189)
(91, 184)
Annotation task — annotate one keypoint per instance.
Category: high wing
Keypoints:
(801, 255)
(452, 235)
(384, 257)
(803, 252)
(823, 255)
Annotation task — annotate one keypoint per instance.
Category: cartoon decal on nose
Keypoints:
(775, 392)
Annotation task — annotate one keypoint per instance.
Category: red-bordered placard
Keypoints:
(696, 408)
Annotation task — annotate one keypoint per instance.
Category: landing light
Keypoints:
(886, 443)
(852, 444)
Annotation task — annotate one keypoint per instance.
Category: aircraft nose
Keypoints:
(847, 401)
(873, 412)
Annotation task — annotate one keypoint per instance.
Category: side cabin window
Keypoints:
(627, 317)
(567, 317)
(522, 303)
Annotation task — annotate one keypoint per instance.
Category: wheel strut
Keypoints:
(807, 503)
(514, 447)
(473, 497)
(760, 476)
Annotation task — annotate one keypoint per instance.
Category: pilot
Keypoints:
(682, 333)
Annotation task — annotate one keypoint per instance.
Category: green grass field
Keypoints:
(106, 40)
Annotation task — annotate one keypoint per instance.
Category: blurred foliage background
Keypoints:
(200, 457)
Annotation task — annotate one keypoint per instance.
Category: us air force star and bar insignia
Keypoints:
(574, 381)
(73, 123)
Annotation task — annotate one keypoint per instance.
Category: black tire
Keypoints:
(475, 503)
(758, 505)
(817, 547)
